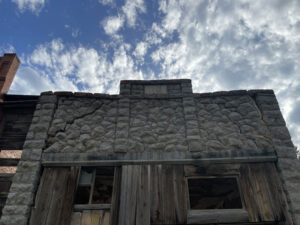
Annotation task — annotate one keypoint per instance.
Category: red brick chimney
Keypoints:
(9, 64)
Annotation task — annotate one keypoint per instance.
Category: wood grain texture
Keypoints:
(143, 196)
(86, 217)
(180, 195)
(106, 218)
(76, 218)
(68, 198)
(55, 197)
(217, 216)
(168, 195)
(262, 193)
(57, 200)
(96, 217)
(115, 202)
(43, 197)
(156, 208)
(128, 195)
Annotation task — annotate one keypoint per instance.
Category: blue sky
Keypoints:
(90, 45)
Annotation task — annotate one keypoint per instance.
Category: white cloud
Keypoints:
(32, 5)
(140, 49)
(131, 9)
(59, 67)
(106, 2)
(220, 45)
(8, 48)
(30, 81)
(223, 45)
(112, 25)
(129, 13)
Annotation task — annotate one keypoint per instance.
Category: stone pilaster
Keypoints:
(288, 165)
(122, 126)
(22, 191)
(190, 115)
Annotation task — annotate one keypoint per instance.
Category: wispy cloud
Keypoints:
(75, 68)
(33, 5)
(220, 45)
(112, 25)
(106, 2)
(140, 50)
(131, 9)
(128, 14)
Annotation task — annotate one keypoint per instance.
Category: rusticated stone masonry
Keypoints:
(288, 164)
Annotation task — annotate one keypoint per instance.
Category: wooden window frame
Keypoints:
(90, 205)
(205, 216)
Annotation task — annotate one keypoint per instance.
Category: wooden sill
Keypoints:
(79, 207)
(217, 216)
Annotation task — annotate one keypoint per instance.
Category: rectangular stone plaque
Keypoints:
(155, 89)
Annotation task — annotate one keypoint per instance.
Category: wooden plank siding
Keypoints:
(91, 217)
(115, 202)
(53, 203)
(263, 193)
(152, 194)
(159, 194)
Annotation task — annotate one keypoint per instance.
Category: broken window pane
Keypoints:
(103, 186)
(95, 185)
(82, 195)
(86, 176)
(214, 193)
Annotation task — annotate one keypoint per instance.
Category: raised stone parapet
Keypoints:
(25, 181)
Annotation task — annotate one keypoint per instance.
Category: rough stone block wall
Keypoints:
(22, 191)
(288, 165)
(157, 125)
(231, 122)
(83, 125)
(131, 124)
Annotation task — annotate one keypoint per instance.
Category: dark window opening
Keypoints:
(95, 186)
(214, 193)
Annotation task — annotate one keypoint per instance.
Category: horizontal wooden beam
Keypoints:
(4, 177)
(9, 161)
(80, 207)
(217, 216)
(173, 161)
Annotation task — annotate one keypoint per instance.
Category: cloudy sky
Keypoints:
(90, 45)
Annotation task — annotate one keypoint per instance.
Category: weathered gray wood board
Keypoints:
(152, 195)
(53, 203)
(168, 195)
(115, 202)
(217, 216)
(150, 157)
(263, 193)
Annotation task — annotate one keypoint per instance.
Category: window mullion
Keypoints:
(92, 186)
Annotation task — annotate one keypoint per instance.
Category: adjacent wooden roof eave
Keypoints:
(9, 161)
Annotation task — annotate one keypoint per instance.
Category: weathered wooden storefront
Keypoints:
(157, 153)
(161, 194)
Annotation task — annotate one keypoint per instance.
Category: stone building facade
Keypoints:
(145, 156)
